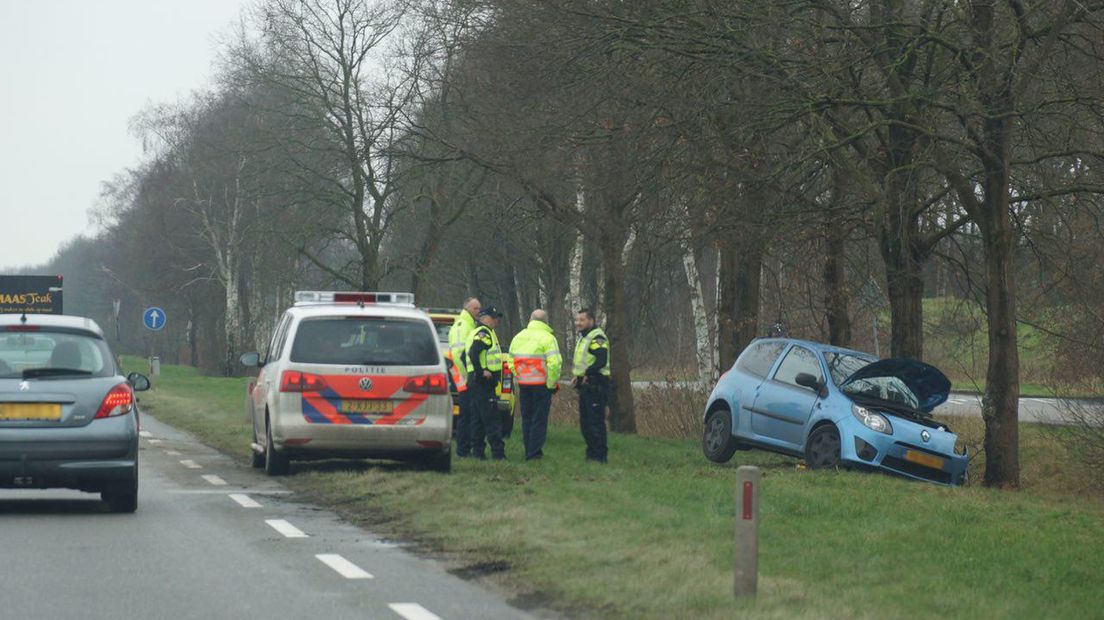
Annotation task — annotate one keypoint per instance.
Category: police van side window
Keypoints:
(760, 358)
(277, 347)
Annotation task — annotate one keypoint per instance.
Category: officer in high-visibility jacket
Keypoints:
(484, 365)
(591, 369)
(537, 365)
(458, 334)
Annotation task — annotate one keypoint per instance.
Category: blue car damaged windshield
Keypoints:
(888, 389)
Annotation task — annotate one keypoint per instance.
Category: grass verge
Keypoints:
(650, 535)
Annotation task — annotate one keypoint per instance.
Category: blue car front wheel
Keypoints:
(822, 450)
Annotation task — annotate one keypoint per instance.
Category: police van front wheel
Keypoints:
(718, 444)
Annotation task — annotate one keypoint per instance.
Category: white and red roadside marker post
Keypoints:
(746, 577)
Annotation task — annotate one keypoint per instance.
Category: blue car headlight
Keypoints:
(872, 420)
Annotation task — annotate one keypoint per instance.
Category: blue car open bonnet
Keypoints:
(930, 386)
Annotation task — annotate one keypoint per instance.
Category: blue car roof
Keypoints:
(816, 346)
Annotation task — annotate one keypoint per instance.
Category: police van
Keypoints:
(350, 375)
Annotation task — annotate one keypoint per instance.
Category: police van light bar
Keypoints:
(334, 297)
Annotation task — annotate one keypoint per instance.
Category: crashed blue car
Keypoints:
(835, 408)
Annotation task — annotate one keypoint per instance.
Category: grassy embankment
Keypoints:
(650, 535)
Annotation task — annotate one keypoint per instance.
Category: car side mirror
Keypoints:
(138, 382)
(805, 379)
(251, 360)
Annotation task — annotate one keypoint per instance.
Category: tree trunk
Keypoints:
(702, 346)
(740, 273)
(836, 295)
(1000, 405)
(622, 413)
(905, 289)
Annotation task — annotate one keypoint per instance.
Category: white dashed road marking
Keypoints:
(215, 480)
(244, 500)
(287, 529)
(155, 441)
(190, 464)
(172, 453)
(344, 567)
(145, 434)
(413, 611)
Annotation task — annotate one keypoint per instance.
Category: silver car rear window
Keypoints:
(365, 341)
(46, 349)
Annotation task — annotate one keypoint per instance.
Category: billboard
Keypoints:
(30, 294)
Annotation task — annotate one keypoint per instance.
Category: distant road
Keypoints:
(1034, 410)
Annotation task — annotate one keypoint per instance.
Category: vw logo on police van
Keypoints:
(24, 386)
(366, 384)
(925, 435)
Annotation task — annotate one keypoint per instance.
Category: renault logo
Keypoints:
(366, 384)
(24, 386)
(925, 435)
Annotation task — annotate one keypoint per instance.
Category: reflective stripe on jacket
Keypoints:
(491, 357)
(584, 355)
(536, 355)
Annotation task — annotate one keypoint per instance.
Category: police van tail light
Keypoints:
(295, 381)
(119, 401)
(427, 384)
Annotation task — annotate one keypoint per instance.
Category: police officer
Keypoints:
(458, 334)
(591, 370)
(537, 365)
(484, 364)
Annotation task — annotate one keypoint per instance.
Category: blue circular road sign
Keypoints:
(154, 319)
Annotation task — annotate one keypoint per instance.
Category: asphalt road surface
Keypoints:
(1035, 410)
(212, 539)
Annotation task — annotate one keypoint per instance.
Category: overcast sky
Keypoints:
(72, 74)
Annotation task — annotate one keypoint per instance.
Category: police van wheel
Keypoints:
(718, 444)
(439, 462)
(275, 464)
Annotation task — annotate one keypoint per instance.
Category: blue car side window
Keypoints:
(759, 359)
(798, 360)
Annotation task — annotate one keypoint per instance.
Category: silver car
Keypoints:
(68, 418)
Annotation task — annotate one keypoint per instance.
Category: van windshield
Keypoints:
(363, 341)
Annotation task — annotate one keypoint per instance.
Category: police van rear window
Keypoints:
(365, 341)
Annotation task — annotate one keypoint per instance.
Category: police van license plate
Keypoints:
(366, 406)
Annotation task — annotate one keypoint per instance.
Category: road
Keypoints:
(212, 539)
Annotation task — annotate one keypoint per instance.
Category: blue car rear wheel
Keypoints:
(718, 444)
(822, 450)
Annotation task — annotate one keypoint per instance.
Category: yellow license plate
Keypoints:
(366, 406)
(456, 410)
(30, 411)
(924, 459)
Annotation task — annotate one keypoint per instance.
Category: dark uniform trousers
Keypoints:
(486, 423)
(463, 424)
(593, 398)
(536, 400)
